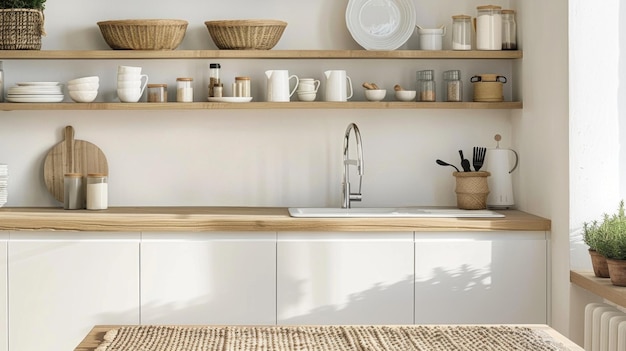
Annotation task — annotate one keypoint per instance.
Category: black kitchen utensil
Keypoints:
(479, 157)
(442, 163)
(465, 163)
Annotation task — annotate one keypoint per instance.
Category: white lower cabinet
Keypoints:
(4, 322)
(208, 278)
(345, 278)
(496, 277)
(62, 284)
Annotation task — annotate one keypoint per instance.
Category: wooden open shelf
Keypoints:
(253, 54)
(599, 286)
(69, 106)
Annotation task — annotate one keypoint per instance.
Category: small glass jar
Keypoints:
(461, 32)
(453, 86)
(214, 78)
(489, 28)
(157, 92)
(426, 85)
(244, 82)
(509, 30)
(184, 91)
(97, 191)
(73, 191)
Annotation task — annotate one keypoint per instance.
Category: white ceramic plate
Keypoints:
(381, 24)
(40, 98)
(37, 83)
(34, 92)
(230, 99)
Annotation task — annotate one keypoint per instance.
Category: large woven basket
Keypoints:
(21, 29)
(471, 190)
(149, 34)
(246, 34)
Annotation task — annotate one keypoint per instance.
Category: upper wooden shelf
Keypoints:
(254, 54)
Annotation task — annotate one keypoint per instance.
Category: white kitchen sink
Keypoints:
(391, 212)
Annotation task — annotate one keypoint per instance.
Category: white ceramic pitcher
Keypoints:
(337, 85)
(278, 85)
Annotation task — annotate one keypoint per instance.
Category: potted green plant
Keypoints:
(611, 243)
(21, 24)
(591, 235)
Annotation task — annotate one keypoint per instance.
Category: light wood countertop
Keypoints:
(599, 286)
(200, 219)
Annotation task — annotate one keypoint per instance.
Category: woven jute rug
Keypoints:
(327, 338)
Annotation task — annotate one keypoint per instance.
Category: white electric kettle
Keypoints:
(498, 163)
(278, 85)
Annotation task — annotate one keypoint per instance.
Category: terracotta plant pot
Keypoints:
(600, 266)
(617, 271)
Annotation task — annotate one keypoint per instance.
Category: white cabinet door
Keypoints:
(498, 277)
(4, 328)
(59, 288)
(345, 278)
(208, 278)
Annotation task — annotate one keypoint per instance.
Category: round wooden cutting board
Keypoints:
(71, 156)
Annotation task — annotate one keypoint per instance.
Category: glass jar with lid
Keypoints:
(509, 30)
(184, 91)
(97, 191)
(426, 85)
(461, 32)
(453, 86)
(489, 28)
(157, 92)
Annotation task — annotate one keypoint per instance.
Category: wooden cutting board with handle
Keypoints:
(71, 156)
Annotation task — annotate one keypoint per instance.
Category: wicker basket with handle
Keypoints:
(246, 34)
(21, 29)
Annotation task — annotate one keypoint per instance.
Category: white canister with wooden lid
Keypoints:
(488, 87)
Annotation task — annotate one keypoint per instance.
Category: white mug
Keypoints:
(129, 95)
(337, 84)
(308, 85)
(130, 76)
(128, 70)
(278, 85)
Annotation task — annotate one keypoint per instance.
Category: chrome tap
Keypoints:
(347, 195)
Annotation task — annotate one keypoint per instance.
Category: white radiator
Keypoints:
(605, 328)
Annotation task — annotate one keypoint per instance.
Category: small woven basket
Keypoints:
(150, 34)
(246, 34)
(471, 190)
(21, 29)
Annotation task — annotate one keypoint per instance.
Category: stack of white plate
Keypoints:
(4, 177)
(35, 92)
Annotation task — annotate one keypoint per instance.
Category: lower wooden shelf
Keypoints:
(68, 106)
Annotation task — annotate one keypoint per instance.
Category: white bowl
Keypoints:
(375, 94)
(406, 95)
(92, 79)
(307, 96)
(83, 95)
(83, 86)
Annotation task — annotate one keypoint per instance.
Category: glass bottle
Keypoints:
(214, 77)
(461, 32)
(509, 30)
(97, 191)
(425, 85)
(453, 85)
(184, 91)
(489, 28)
(73, 191)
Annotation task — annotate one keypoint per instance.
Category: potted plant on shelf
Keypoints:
(611, 243)
(591, 234)
(21, 24)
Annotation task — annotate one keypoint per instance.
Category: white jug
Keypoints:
(337, 84)
(498, 163)
(278, 85)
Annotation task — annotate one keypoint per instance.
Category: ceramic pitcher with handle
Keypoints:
(278, 85)
(337, 86)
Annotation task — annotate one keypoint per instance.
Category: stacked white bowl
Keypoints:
(84, 89)
(130, 83)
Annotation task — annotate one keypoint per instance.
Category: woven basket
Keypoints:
(21, 29)
(246, 34)
(152, 34)
(471, 190)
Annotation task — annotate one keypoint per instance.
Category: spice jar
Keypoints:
(184, 91)
(97, 191)
(425, 85)
(73, 191)
(243, 87)
(453, 85)
(461, 32)
(509, 30)
(489, 28)
(214, 78)
(157, 92)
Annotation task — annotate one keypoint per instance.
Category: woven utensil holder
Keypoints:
(21, 29)
(471, 190)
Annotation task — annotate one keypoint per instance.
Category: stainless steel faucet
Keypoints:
(347, 195)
